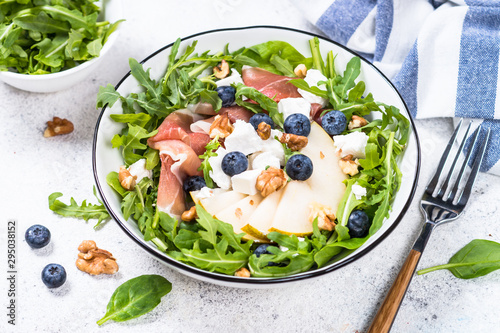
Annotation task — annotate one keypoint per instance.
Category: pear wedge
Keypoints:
(220, 201)
(262, 218)
(238, 213)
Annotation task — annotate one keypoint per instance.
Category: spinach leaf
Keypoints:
(136, 297)
(84, 211)
(478, 258)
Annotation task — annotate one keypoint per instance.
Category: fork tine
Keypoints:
(433, 183)
(446, 183)
(464, 196)
(454, 191)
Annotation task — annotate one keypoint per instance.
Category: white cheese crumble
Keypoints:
(359, 191)
(234, 78)
(274, 147)
(289, 106)
(351, 144)
(139, 169)
(244, 138)
(312, 78)
(245, 182)
(218, 176)
(263, 160)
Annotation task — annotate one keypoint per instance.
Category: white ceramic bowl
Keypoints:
(112, 12)
(107, 159)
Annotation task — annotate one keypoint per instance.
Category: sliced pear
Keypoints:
(327, 177)
(220, 201)
(238, 213)
(262, 218)
(215, 192)
(292, 214)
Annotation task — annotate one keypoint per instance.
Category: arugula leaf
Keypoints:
(113, 181)
(84, 211)
(478, 258)
(136, 297)
(264, 102)
(107, 95)
(205, 166)
(131, 141)
(139, 119)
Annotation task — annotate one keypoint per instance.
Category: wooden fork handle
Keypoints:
(389, 308)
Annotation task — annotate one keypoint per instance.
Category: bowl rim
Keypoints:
(234, 280)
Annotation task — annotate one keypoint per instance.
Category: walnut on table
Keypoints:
(95, 261)
(293, 141)
(58, 126)
(270, 180)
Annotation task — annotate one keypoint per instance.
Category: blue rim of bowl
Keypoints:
(238, 281)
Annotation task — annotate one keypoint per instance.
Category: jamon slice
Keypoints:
(178, 161)
(176, 127)
(270, 84)
(170, 193)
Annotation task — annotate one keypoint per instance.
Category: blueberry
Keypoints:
(37, 236)
(234, 163)
(193, 183)
(299, 167)
(297, 124)
(226, 93)
(257, 118)
(262, 249)
(334, 122)
(358, 224)
(54, 275)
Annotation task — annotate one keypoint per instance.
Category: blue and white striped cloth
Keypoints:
(443, 56)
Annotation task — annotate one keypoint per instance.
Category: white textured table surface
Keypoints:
(32, 167)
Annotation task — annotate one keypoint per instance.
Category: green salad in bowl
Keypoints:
(266, 162)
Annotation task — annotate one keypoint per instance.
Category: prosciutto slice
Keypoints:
(178, 161)
(272, 85)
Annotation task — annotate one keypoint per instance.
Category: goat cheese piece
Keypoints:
(139, 169)
(234, 78)
(359, 191)
(217, 175)
(351, 144)
(312, 78)
(288, 106)
(205, 192)
(244, 138)
(274, 147)
(245, 182)
(263, 160)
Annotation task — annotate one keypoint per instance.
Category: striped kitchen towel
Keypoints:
(443, 56)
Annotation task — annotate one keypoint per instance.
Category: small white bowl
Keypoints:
(44, 83)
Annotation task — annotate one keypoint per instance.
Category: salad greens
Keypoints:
(478, 258)
(211, 244)
(44, 36)
(136, 297)
(84, 211)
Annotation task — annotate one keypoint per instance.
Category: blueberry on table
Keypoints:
(334, 122)
(299, 167)
(257, 118)
(37, 236)
(234, 163)
(53, 275)
(297, 124)
(193, 183)
(358, 224)
(226, 94)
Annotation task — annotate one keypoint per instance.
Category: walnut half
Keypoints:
(221, 127)
(326, 216)
(348, 165)
(222, 70)
(58, 126)
(357, 122)
(293, 141)
(270, 180)
(95, 261)
(264, 130)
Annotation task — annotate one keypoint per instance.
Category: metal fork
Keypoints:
(437, 209)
